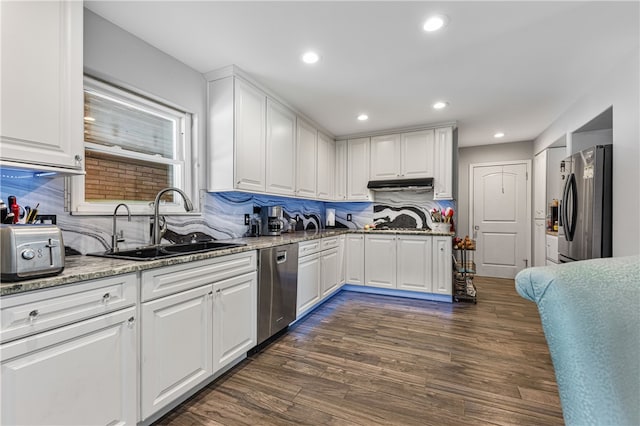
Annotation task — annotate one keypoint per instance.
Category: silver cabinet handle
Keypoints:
(219, 291)
(78, 157)
(106, 297)
(131, 321)
(33, 315)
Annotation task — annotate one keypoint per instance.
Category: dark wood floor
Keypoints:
(368, 359)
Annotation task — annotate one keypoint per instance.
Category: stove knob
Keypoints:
(28, 254)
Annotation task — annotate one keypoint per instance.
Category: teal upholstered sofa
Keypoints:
(590, 312)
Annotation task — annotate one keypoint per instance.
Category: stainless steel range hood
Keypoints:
(422, 184)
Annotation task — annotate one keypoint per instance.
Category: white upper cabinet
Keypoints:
(385, 157)
(416, 154)
(280, 150)
(306, 159)
(341, 171)
(402, 156)
(42, 98)
(443, 166)
(326, 167)
(358, 169)
(250, 116)
(236, 136)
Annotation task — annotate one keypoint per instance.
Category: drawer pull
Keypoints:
(33, 315)
(106, 297)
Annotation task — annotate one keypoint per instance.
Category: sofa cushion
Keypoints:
(590, 313)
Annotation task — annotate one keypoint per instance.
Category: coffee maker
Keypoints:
(272, 220)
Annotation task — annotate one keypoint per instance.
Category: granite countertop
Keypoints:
(82, 268)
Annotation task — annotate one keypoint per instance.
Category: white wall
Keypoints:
(620, 89)
(483, 154)
(114, 55)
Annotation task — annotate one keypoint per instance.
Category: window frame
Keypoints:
(185, 176)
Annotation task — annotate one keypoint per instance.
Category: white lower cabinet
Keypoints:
(235, 307)
(354, 259)
(308, 283)
(380, 260)
(197, 318)
(442, 265)
(329, 272)
(404, 262)
(342, 261)
(415, 256)
(177, 346)
(318, 275)
(80, 374)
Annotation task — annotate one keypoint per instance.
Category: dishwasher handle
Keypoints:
(281, 257)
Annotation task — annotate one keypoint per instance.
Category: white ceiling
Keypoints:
(508, 66)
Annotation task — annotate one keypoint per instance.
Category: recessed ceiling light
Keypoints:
(499, 135)
(363, 117)
(435, 22)
(440, 105)
(310, 57)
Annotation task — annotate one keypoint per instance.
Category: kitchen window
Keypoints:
(134, 147)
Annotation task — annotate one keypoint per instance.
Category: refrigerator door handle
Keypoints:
(564, 208)
(570, 225)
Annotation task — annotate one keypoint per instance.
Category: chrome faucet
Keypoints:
(156, 237)
(114, 238)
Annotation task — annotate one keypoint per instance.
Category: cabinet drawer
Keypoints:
(308, 247)
(31, 313)
(329, 243)
(172, 279)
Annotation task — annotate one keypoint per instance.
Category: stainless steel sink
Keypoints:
(164, 251)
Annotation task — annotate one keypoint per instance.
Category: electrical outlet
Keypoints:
(348, 217)
(246, 219)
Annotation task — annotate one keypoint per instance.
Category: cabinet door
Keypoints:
(308, 283)
(250, 141)
(380, 260)
(415, 257)
(328, 272)
(540, 185)
(355, 259)
(342, 259)
(280, 150)
(358, 169)
(326, 167)
(539, 242)
(443, 168)
(176, 345)
(416, 154)
(385, 157)
(307, 159)
(552, 248)
(234, 318)
(341, 171)
(442, 265)
(42, 83)
(83, 373)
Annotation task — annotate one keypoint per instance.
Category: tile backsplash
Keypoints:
(222, 213)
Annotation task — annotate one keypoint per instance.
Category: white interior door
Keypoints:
(500, 217)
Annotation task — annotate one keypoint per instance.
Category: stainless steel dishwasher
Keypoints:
(277, 289)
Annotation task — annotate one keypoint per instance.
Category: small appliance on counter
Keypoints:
(272, 220)
(331, 218)
(30, 251)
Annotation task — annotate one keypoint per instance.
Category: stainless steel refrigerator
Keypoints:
(586, 205)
